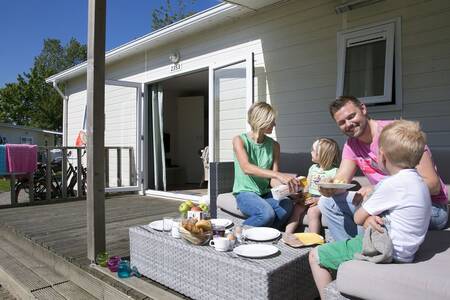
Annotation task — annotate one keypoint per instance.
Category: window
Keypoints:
(26, 140)
(369, 63)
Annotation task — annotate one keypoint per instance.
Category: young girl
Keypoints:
(324, 155)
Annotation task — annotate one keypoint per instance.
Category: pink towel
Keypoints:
(21, 158)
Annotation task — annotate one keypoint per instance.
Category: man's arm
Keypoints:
(426, 169)
(346, 171)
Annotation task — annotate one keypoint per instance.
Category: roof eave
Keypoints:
(195, 23)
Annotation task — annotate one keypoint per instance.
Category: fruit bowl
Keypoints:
(195, 238)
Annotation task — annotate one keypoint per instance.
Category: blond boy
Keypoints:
(401, 202)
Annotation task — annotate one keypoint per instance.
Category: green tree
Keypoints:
(31, 101)
(170, 13)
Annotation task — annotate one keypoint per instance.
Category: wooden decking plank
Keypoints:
(38, 267)
(71, 291)
(47, 294)
(21, 273)
(5, 294)
(61, 227)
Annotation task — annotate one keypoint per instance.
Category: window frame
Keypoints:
(26, 138)
(390, 31)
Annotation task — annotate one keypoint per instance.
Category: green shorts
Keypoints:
(333, 254)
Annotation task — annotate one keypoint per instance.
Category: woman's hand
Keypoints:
(290, 181)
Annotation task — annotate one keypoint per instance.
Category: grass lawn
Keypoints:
(4, 185)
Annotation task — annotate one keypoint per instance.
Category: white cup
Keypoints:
(220, 243)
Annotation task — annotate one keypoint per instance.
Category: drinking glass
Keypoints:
(124, 270)
(102, 258)
(167, 224)
(113, 263)
(238, 233)
(175, 225)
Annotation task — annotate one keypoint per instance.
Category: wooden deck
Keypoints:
(62, 227)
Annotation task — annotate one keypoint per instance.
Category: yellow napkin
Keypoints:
(309, 238)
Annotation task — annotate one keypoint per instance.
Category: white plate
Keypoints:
(344, 186)
(221, 222)
(261, 233)
(158, 225)
(255, 250)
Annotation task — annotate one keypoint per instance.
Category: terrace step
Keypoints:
(27, 277)
(29, 270)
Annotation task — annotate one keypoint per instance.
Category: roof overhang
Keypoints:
(6, 125)
(195, 23)
(253, 4)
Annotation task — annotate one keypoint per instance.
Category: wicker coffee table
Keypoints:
(200, 272)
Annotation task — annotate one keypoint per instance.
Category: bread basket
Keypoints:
(195, 238)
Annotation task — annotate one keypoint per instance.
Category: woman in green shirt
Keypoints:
(256, 163)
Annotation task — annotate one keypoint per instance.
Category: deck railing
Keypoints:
(62, 173)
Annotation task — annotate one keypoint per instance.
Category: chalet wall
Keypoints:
(295, 45)
(13, 136)
(120, 122)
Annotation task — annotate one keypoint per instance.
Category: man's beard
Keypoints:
(358, 130)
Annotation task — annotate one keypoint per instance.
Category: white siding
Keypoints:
(295, 66)
(14, 135)
(120, 123)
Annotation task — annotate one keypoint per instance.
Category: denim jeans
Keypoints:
(338, 212)
(439, 216)
(264, 210)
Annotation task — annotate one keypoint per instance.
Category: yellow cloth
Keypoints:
(309, 238)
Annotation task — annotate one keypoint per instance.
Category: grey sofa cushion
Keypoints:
(426, 278)
(227, 202)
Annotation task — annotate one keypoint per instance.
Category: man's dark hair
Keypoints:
(341, 101)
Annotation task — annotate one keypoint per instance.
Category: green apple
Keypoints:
(183, 208)
(189, 203)
(204, 207)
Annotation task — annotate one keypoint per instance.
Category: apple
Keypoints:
(189, 203)
(183, 208)
(204, 207)
(196, 208)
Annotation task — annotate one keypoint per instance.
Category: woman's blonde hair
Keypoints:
(260, 116)
(327, 153)
(403, 143)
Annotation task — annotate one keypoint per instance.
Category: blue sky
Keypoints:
(24, 24)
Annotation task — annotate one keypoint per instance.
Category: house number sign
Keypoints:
(175, 67)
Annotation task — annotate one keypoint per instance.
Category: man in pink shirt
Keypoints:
(361, 151)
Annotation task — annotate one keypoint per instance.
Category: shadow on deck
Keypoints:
(62, 227)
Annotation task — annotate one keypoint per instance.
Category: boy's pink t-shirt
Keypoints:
(366, 157)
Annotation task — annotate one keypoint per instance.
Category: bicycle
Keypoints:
(40, 183)
(72, 179)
